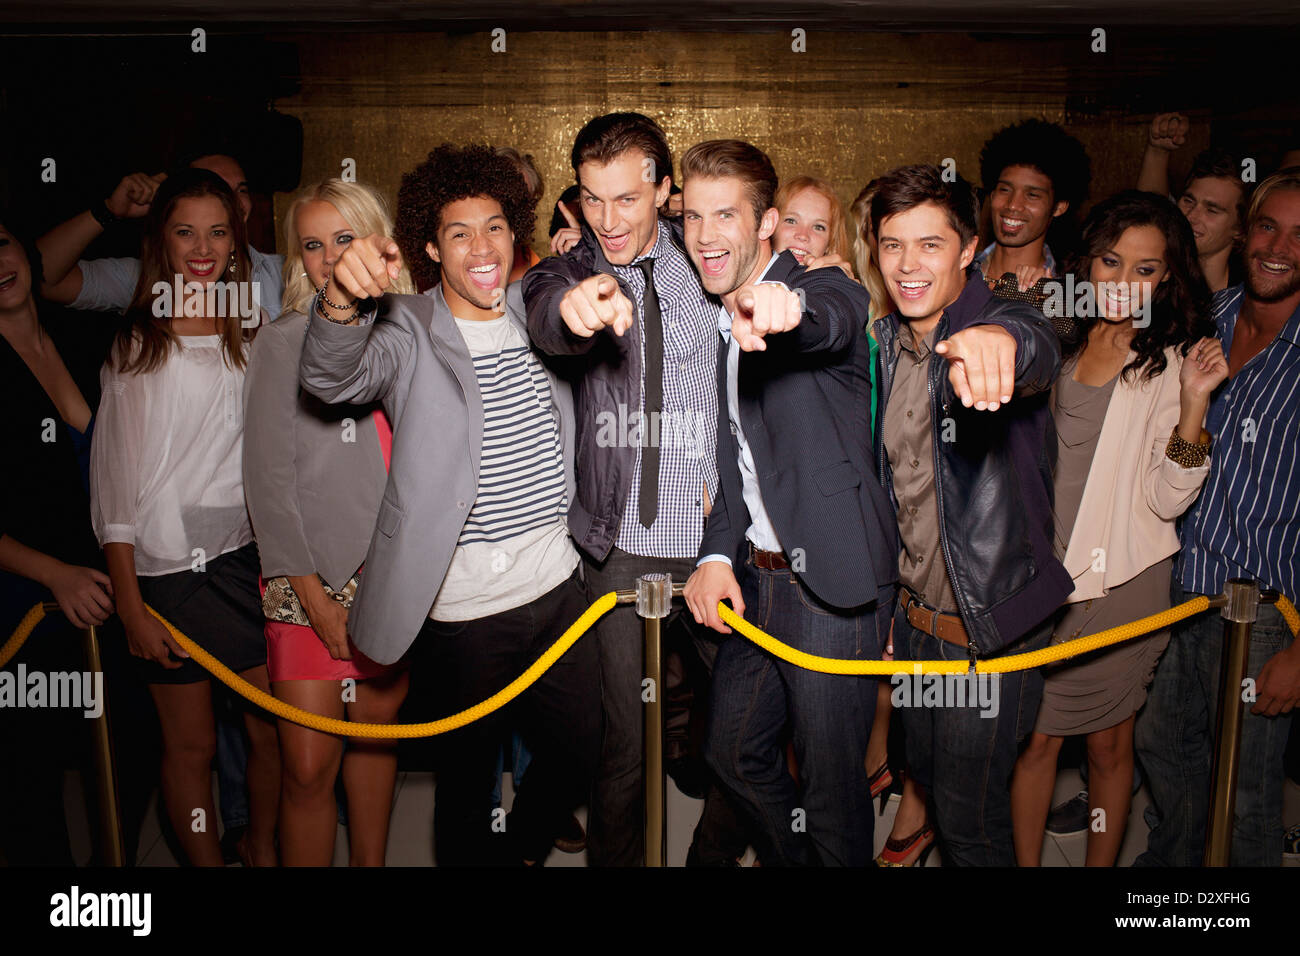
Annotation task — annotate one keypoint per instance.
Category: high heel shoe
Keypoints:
(881, 780)
(897, 852)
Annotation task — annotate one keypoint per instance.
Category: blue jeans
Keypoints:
(1175, 742)
(520, 758)
(964, 759)
(827, 816)
(231, 761)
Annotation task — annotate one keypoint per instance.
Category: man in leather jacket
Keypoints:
(966, 455)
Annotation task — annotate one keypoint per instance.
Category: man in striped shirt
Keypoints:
(471, 566)
(1246, 524)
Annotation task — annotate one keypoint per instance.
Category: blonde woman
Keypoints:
(314, 475)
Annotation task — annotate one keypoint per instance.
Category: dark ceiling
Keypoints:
(1019, 16)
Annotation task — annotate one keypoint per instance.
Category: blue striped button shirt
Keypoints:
(1246, 522)
(689, 425)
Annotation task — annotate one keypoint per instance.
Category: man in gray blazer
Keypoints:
(471, 553)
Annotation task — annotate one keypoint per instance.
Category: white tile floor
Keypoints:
(411, 839)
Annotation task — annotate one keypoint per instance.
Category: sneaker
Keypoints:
(1070, 816)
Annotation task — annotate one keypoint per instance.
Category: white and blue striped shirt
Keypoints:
(521, 465)
(515, 544)
(1246, 522)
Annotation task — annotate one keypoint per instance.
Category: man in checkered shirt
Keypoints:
(642, 362)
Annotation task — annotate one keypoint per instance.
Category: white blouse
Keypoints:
(166, 459)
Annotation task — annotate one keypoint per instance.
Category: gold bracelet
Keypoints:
(1188, 454)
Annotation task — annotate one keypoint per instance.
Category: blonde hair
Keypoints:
(365, 213)
(1286, 178)
(838, 244)
(868, 272)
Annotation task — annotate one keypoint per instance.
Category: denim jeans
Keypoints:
(963, 755)
(826, 817)
(1175, 743)
(520, 758)
(231, 761)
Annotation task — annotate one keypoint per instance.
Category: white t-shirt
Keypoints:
(166, 459)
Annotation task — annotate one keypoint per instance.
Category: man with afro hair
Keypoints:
(1033, 173)
(471, 565)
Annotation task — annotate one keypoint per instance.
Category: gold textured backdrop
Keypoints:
(849, 108)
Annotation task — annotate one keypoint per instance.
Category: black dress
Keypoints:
(45, 505)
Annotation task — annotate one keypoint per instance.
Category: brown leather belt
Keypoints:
(768, 560)
(946, 627)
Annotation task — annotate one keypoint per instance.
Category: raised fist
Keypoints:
(133, 195)
(1168, 132)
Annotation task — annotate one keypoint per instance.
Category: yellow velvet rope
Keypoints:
(826, 665)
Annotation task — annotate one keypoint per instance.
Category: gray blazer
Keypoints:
(413, 359)
(313, 473)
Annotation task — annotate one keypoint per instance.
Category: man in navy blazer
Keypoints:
(802, 538)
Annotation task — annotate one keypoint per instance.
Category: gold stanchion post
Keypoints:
(654, 598)
(1240, 609)
(110, 821)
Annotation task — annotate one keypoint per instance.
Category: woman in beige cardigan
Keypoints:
(1129, 407)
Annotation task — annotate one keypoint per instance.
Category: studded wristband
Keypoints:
(1185, 453)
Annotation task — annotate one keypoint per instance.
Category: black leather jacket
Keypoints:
(993, 475)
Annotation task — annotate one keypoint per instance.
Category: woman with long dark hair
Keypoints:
(167, 497)
(1130, 404)
(49, 365)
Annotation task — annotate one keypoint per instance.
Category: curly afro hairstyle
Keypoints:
(450, 174)
(1045, 147)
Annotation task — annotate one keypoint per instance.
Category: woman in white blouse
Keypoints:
(167, 497)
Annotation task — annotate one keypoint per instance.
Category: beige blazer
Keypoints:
(1134, 493)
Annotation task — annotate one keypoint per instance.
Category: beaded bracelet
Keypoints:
(334, 305)
(346, 320)
(1185, 453)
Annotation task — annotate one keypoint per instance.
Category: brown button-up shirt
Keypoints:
(908, 433)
